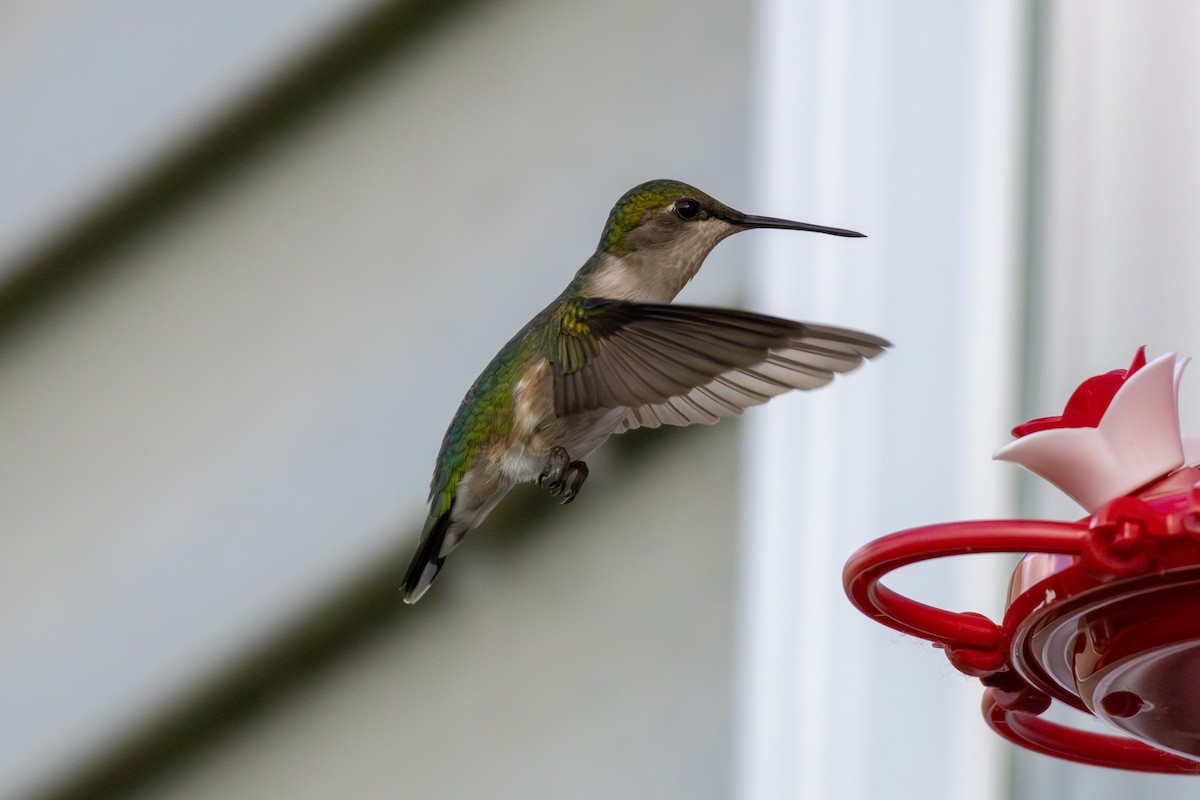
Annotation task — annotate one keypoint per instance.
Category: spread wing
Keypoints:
(680, 365)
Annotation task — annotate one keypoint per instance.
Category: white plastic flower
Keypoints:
(1118, 433)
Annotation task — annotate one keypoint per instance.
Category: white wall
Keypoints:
(232, 414)
(236, 411)
(1115, 249)
(904, 122)
(583, 652)
(98, 93)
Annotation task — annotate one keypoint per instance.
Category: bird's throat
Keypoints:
(634, 278)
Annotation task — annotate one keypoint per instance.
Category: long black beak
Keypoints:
(750, 221)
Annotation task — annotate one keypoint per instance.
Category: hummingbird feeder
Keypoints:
(1103, 613)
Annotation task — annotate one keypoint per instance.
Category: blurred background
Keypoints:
(253, 253)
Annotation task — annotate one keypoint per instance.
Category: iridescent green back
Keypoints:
(485, 414)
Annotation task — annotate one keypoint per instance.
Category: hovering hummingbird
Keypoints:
(610, 354)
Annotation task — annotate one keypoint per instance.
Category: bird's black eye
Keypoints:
(687, 208)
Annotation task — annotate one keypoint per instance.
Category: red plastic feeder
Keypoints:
(1103, 612)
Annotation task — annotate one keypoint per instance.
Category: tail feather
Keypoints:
(427, 561)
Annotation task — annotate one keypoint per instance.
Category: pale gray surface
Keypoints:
(587, 656)
(1116, 251)
(238, 410)
(912, 132)
(1118, 195)
(97, 92)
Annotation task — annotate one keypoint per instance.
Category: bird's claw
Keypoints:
(577, 473)
(561, 476)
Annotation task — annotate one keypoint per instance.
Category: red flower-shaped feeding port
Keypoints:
(1088, 403)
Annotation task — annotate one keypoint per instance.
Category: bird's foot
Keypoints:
(561, 476)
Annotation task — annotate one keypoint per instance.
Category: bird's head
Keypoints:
(667, 214)
(659, 233)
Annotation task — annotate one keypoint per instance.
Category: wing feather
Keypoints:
(685, 365)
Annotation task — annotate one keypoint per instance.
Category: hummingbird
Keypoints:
(610, 354)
